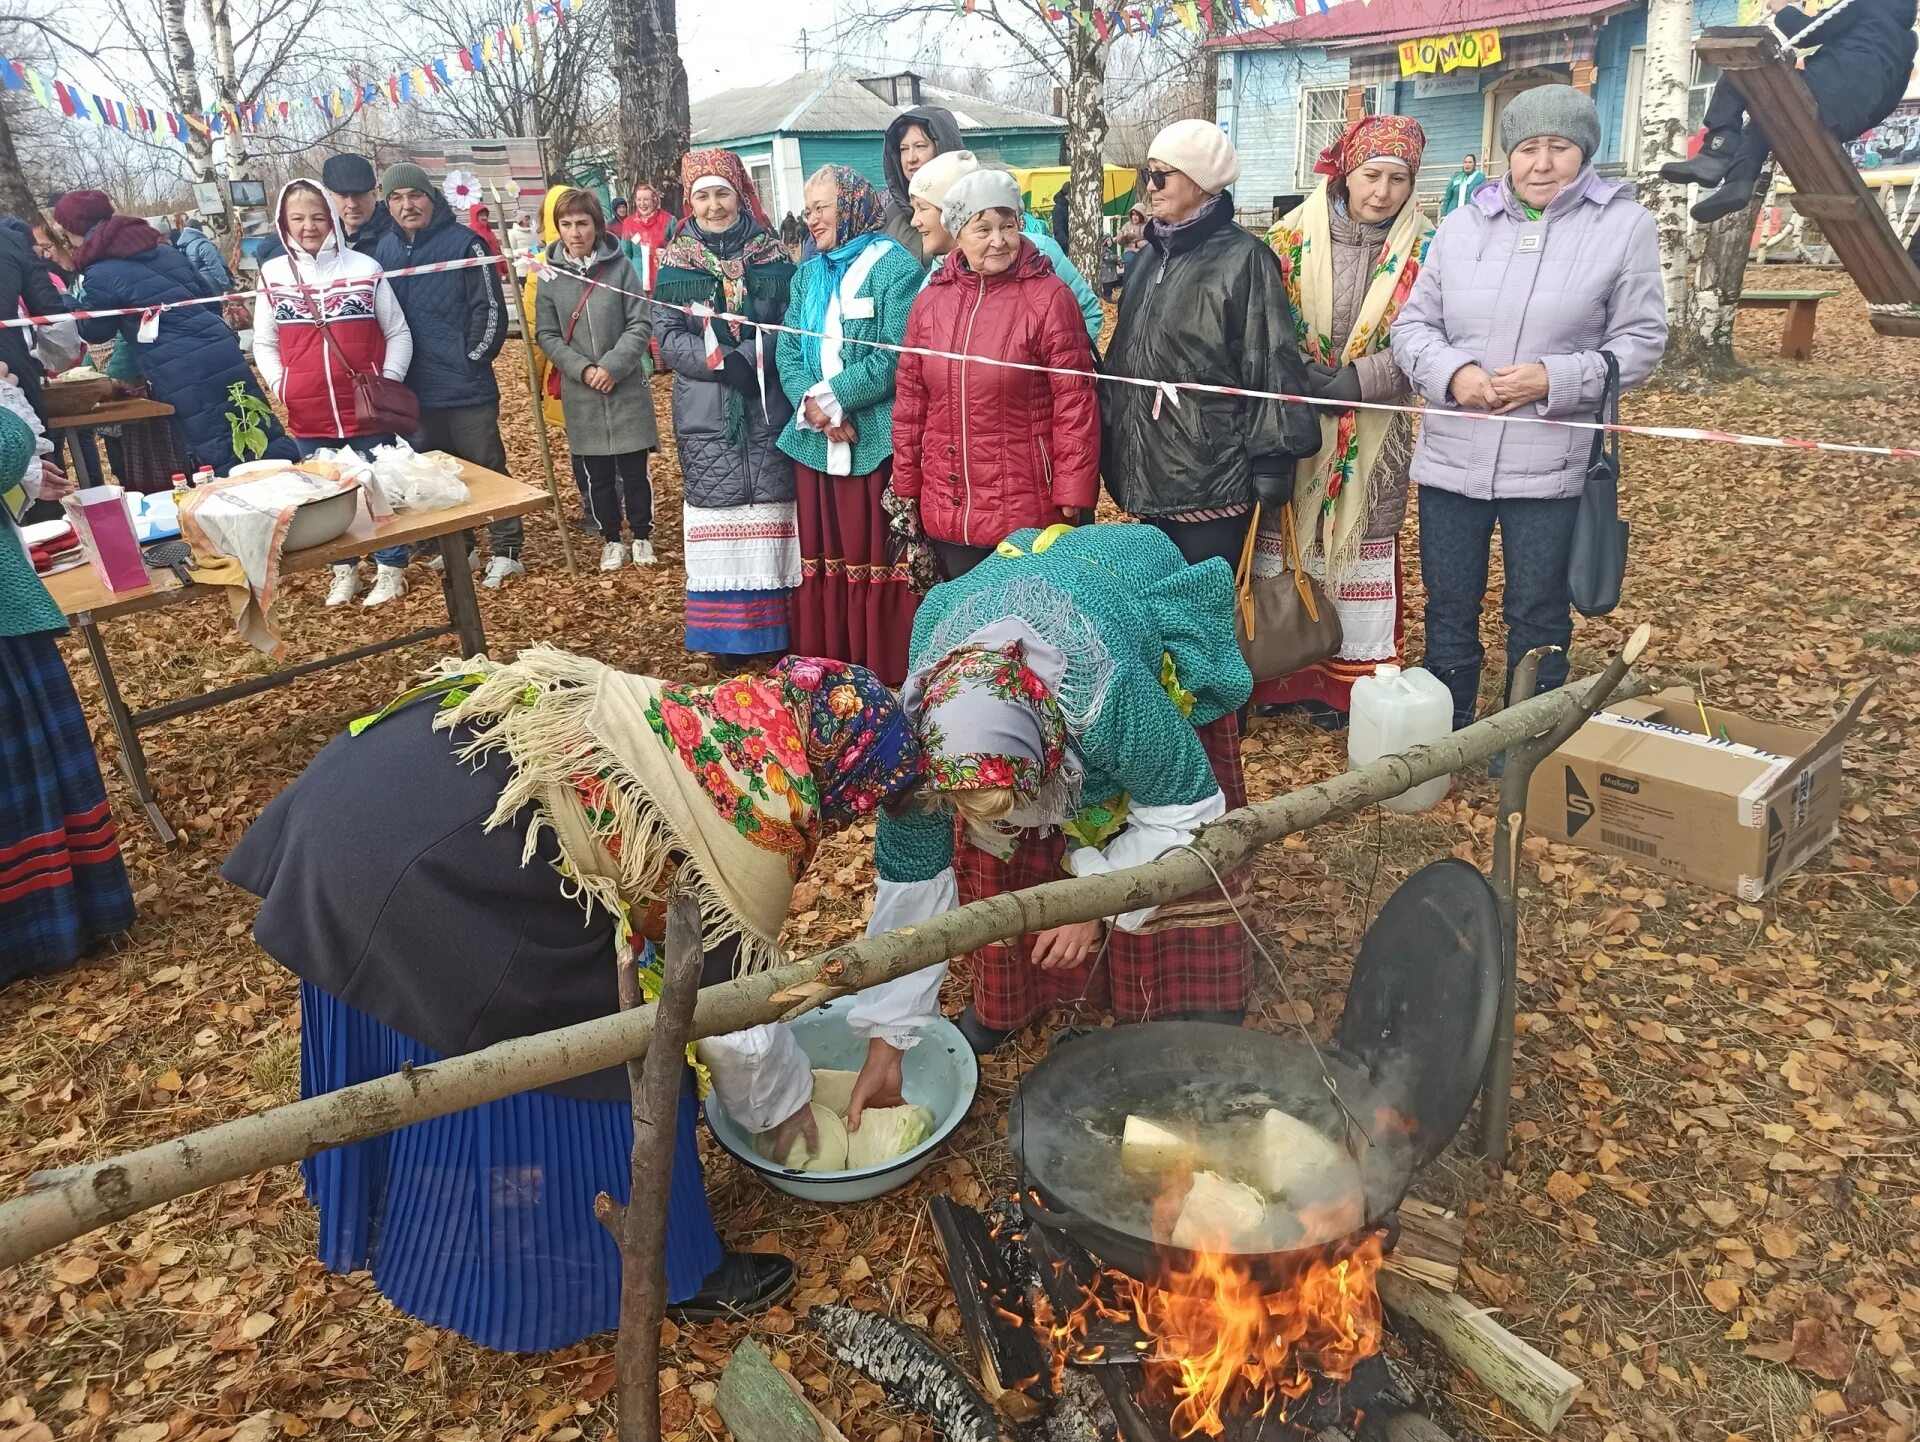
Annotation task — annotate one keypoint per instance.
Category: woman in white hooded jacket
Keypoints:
(324, 314)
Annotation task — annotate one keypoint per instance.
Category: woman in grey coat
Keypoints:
(742, 543)
(592, 323)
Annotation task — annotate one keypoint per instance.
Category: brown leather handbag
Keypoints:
(1285, 623)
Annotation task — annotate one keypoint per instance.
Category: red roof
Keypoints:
(1380, 22)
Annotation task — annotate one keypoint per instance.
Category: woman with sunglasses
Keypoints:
(1203, 302)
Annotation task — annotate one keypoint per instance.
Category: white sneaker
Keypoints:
(499, 568)
(643, 554)
(439, 562)
(346, 583)
(613, 556)
(388, 582)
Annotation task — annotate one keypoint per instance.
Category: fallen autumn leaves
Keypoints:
(1713, 1214)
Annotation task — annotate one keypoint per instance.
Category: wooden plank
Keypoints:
(1781, 297)
(1538, 1388)
(760, 1403)
(1430, 1244)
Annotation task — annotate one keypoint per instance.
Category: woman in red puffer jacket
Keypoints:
(986, 450)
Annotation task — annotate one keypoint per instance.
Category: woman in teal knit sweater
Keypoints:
(1074, 695)
(852, 604)
(62, 885)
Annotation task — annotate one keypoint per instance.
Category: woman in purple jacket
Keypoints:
(1525, 288)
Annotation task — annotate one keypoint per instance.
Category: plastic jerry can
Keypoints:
(1394, 710)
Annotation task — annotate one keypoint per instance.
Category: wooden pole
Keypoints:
(639, 1225)
(540, 422)
(59, 1206)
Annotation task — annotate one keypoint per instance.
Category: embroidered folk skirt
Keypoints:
(63, 886)
(1372, 628)
(1192, 956)
(742, 565)
(482, 1221)
(852, 605)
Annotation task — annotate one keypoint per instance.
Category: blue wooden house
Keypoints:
(1288, 90)
(787, 130)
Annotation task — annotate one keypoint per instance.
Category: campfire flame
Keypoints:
(1225, 1345)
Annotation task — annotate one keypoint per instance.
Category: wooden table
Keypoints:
(1801, 306)
(86, 603)
(76, 431)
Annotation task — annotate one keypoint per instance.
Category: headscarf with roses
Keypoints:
(986, 719)
(727, 788)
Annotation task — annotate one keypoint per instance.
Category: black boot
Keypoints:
(1710, 166)
(743, 1284)
(1733, 196)
(982, 1038)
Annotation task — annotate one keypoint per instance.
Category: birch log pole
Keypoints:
(59, 1206)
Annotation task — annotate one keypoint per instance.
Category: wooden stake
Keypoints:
(1532, 1383)
(640, 1226)
(540, 423)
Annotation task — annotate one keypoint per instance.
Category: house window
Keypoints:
(760, 172)
(1323, 119)
(1699, 89)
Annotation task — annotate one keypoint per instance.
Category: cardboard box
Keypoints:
(1642, 780)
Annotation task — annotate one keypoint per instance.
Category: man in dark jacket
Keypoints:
(1204, 301)
(458, 320)
(25, 284)
(914, 138)
(350, 181)
(1857, 75)
(189, 357)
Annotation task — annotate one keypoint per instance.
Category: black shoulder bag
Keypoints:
(1598, 563)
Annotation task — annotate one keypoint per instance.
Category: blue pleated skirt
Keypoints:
(482, 1222)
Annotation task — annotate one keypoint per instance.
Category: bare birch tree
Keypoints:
(1663, 138)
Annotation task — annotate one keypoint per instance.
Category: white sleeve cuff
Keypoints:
(898, 904)
(1150, 832)
(760, 1074)
(822, 395)
(896, 1011)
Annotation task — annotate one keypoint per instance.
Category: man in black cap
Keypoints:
(350, 180)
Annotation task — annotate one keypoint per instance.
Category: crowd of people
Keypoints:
(891, 497)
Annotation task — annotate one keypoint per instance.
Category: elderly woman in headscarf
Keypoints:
(541, 811)
(853, 601)
(737, 517)
(1074, 696)
(1349, 255)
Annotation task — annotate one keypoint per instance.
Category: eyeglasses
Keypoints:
(1157, 179)
(821, 212)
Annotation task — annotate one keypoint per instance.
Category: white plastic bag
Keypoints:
(414, 482)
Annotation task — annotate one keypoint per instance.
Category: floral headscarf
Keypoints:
(725, 258)
(860, 745)
(986, 719)
(728, 167)
(1374, 137)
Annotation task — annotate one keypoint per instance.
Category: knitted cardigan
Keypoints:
(1121, 603)
(864, 387)
(25, 607)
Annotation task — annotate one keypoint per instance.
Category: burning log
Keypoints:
(994, 1312)
(910, 1371)
(1532, 1383)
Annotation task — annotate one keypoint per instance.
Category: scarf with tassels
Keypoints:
(725, 788)
(1333, 488)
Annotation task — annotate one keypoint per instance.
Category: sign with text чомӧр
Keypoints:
(1444, 54)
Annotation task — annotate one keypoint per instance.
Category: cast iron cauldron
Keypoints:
(1406, 1061)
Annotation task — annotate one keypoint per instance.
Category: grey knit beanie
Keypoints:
(971, 194)
(1557, 110)
(405, 176)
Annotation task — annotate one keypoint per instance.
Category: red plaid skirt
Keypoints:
(1193, 955)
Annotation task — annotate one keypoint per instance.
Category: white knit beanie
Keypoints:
(1199, 150)
(932, 181)
(971, 194)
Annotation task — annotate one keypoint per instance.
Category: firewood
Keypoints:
(1067, 1272)
(1080, 1414)
(760, 1403)
(993, 1312)
(1532, 1383)
(1431, 1241)
(910, 1370)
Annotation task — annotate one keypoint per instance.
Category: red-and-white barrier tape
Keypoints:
(1167, 390)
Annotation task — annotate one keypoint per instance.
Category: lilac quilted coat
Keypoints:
(1498, 290)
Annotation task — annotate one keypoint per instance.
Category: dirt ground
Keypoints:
(1712, 1213)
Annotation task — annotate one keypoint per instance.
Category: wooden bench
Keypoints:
(1796, 341)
